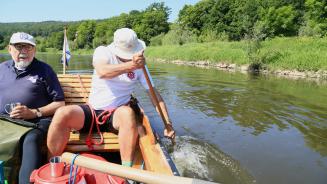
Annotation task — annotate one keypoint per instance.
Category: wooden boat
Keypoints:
(151, 163)
(150, 155)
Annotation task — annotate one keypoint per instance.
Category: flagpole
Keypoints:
(64, 52)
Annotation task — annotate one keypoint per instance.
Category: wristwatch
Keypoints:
(38, 113)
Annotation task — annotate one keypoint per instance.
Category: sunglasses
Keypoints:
(23, 46)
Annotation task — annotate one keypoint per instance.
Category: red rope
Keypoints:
(99, 120)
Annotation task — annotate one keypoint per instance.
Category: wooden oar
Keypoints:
(128, 172)
(156, 101)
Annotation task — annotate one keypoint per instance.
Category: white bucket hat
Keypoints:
(21, 37)
(126, 43)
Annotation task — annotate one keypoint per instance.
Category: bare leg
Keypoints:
(65, 119)
(124, 120)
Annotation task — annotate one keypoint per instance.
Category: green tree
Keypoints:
(154, 21)
(71, 31)
(279, 21)
(85, 34)
(194, 18)
(56, 40)
(134, 18)
(224, 18)
(233, 17)
(315, 22)
(100, 34)
(41, 44)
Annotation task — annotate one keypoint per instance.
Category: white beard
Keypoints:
(22, 65)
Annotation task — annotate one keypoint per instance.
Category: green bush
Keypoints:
(41, 48)
(213, 35)
(51, 50)
(311, 28)
(157, 40)
(178, 37)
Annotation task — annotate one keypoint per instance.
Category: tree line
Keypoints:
(206, 21)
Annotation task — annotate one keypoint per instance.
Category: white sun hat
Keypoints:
(21, 37)
(126, 43)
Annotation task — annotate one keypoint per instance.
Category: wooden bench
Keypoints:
(76, 90)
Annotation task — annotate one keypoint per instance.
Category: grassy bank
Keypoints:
(302, 54)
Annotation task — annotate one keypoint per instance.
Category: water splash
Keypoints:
(197, 159)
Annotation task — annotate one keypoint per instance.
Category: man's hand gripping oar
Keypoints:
(169, 130)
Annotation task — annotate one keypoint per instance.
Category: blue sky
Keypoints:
(73, 10)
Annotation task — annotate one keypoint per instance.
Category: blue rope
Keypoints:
(2, 176)
(71, 170)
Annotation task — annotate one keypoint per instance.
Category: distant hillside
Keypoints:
(35, 28)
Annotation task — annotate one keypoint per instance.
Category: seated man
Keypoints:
(118, 68)
(35, 86)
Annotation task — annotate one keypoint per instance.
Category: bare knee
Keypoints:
(126, 117)
(126, 110)
(63, 116)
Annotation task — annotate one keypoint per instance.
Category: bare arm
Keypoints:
(169, 131)
(23, 112)
(51, 108)
(108, 71)
(162, 105)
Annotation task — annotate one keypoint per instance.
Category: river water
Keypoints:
(237, 128)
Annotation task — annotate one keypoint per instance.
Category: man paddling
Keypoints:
(117, 70)
(35, 86)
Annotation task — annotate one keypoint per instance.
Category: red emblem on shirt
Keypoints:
(131, 75)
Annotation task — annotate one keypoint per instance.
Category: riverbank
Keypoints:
(299, 57)
(318, 76)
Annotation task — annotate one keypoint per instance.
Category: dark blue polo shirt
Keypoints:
(35, 87)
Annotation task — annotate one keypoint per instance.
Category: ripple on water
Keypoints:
(197, 159)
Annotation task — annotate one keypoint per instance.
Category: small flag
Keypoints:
(65, 51)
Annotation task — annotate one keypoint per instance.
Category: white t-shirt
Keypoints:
(114, 92)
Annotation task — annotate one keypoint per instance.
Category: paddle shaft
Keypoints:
(128, 172)
(154, 97)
